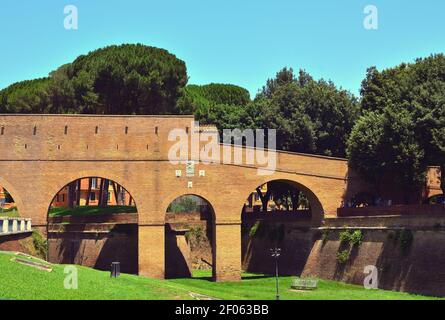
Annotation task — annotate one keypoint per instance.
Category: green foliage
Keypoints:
(253, 231)
(343, 256)
(356, 238)
(10, 212)
(384, 144)
(30, 96)
(22, 282)
(196, 236)
(344, 236)
(216, 93)
(90, 210)
(125, 79)
(309, 116)
(183, 204)
(351, 237)
(223, 105)
(40, 244)
(403, 129)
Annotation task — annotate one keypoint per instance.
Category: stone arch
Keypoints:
(92, 176)
(207, 196)
(117, 242)
(71, 177)
(290, 230)
(178, 256)
(317, 211)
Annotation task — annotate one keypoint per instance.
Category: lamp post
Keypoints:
(275, 253)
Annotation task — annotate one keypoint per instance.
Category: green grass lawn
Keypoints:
(19, 281)
(90, 210)
(11, 213)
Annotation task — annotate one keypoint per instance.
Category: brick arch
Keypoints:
(84, 175)
(315, 202)
(171, 197)
(196, 194)
(14, 193)
(212, 223)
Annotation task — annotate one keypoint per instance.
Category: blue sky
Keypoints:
(243, 42)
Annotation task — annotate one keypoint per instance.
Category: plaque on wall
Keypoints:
(190, 168)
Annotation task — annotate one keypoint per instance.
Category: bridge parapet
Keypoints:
(10, 226)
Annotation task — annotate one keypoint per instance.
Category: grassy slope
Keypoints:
(255, 286)
(24, 282)
(90, 210)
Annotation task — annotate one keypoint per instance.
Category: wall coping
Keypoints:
(94, 115)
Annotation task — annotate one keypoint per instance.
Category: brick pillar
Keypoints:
(227, 251)
(152, 250)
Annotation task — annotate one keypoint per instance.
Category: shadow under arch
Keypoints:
(315, 207)
(93, 221)
(436, 199)
(189, 236)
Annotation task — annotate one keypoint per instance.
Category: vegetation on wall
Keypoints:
(272, 233)
(40, 244)
(351, 237)
(342, 256)
(349, 240)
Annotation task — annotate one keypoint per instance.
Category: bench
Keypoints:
(304, 284)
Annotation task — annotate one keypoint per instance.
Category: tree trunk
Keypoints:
(106, 186)
(115, 192)
(90, 183)
(79, 184)
(71, 194)
(119, 191)
(264, 198)
(294, 199)
(101, 189)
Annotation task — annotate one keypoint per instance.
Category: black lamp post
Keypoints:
(275, 253)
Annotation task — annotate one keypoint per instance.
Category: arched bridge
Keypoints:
(43, 153)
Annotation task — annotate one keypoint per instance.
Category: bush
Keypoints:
(40, 244)
(351, 237)
(253, 231)
(356, 238)
(343, 256)
(345, 236)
